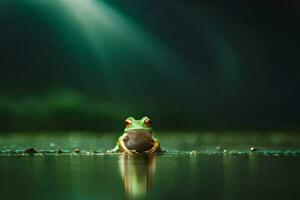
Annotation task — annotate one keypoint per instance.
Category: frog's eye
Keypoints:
(128, 122)
(147, 122)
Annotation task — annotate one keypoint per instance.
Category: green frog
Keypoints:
(137, 138)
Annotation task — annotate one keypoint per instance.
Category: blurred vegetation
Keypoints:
(71, 109)
(61, 109)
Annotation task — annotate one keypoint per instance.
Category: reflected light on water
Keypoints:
(137, 173)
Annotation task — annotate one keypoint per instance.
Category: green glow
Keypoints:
(114, 37)
(117, 47)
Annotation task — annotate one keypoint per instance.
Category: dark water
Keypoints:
(188, 175)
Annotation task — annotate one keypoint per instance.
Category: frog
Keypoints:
(137, 138)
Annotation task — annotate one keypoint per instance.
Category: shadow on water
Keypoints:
(137, 173)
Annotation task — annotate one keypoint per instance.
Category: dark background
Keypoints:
(186, 64)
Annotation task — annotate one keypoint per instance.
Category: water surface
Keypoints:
(195, 167)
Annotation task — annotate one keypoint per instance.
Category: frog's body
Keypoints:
(137, 138)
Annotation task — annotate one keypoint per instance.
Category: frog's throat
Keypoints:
(136, 129)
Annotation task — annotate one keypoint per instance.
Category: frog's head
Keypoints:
(138, 134)
(134, 124)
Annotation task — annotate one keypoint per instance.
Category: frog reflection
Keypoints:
(137, 173)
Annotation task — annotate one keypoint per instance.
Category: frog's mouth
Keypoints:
(138, 129)
(139, 140)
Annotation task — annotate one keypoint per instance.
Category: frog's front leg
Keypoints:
(122, 145)
(117, 148)
(114, 150)
(155, 148)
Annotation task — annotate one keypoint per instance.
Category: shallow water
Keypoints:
(194, 167)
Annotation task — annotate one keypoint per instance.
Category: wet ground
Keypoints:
(227, 165)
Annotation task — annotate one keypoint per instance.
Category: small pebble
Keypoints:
(77, 150)
(30, 151)
(253, 149)
(59, 151)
